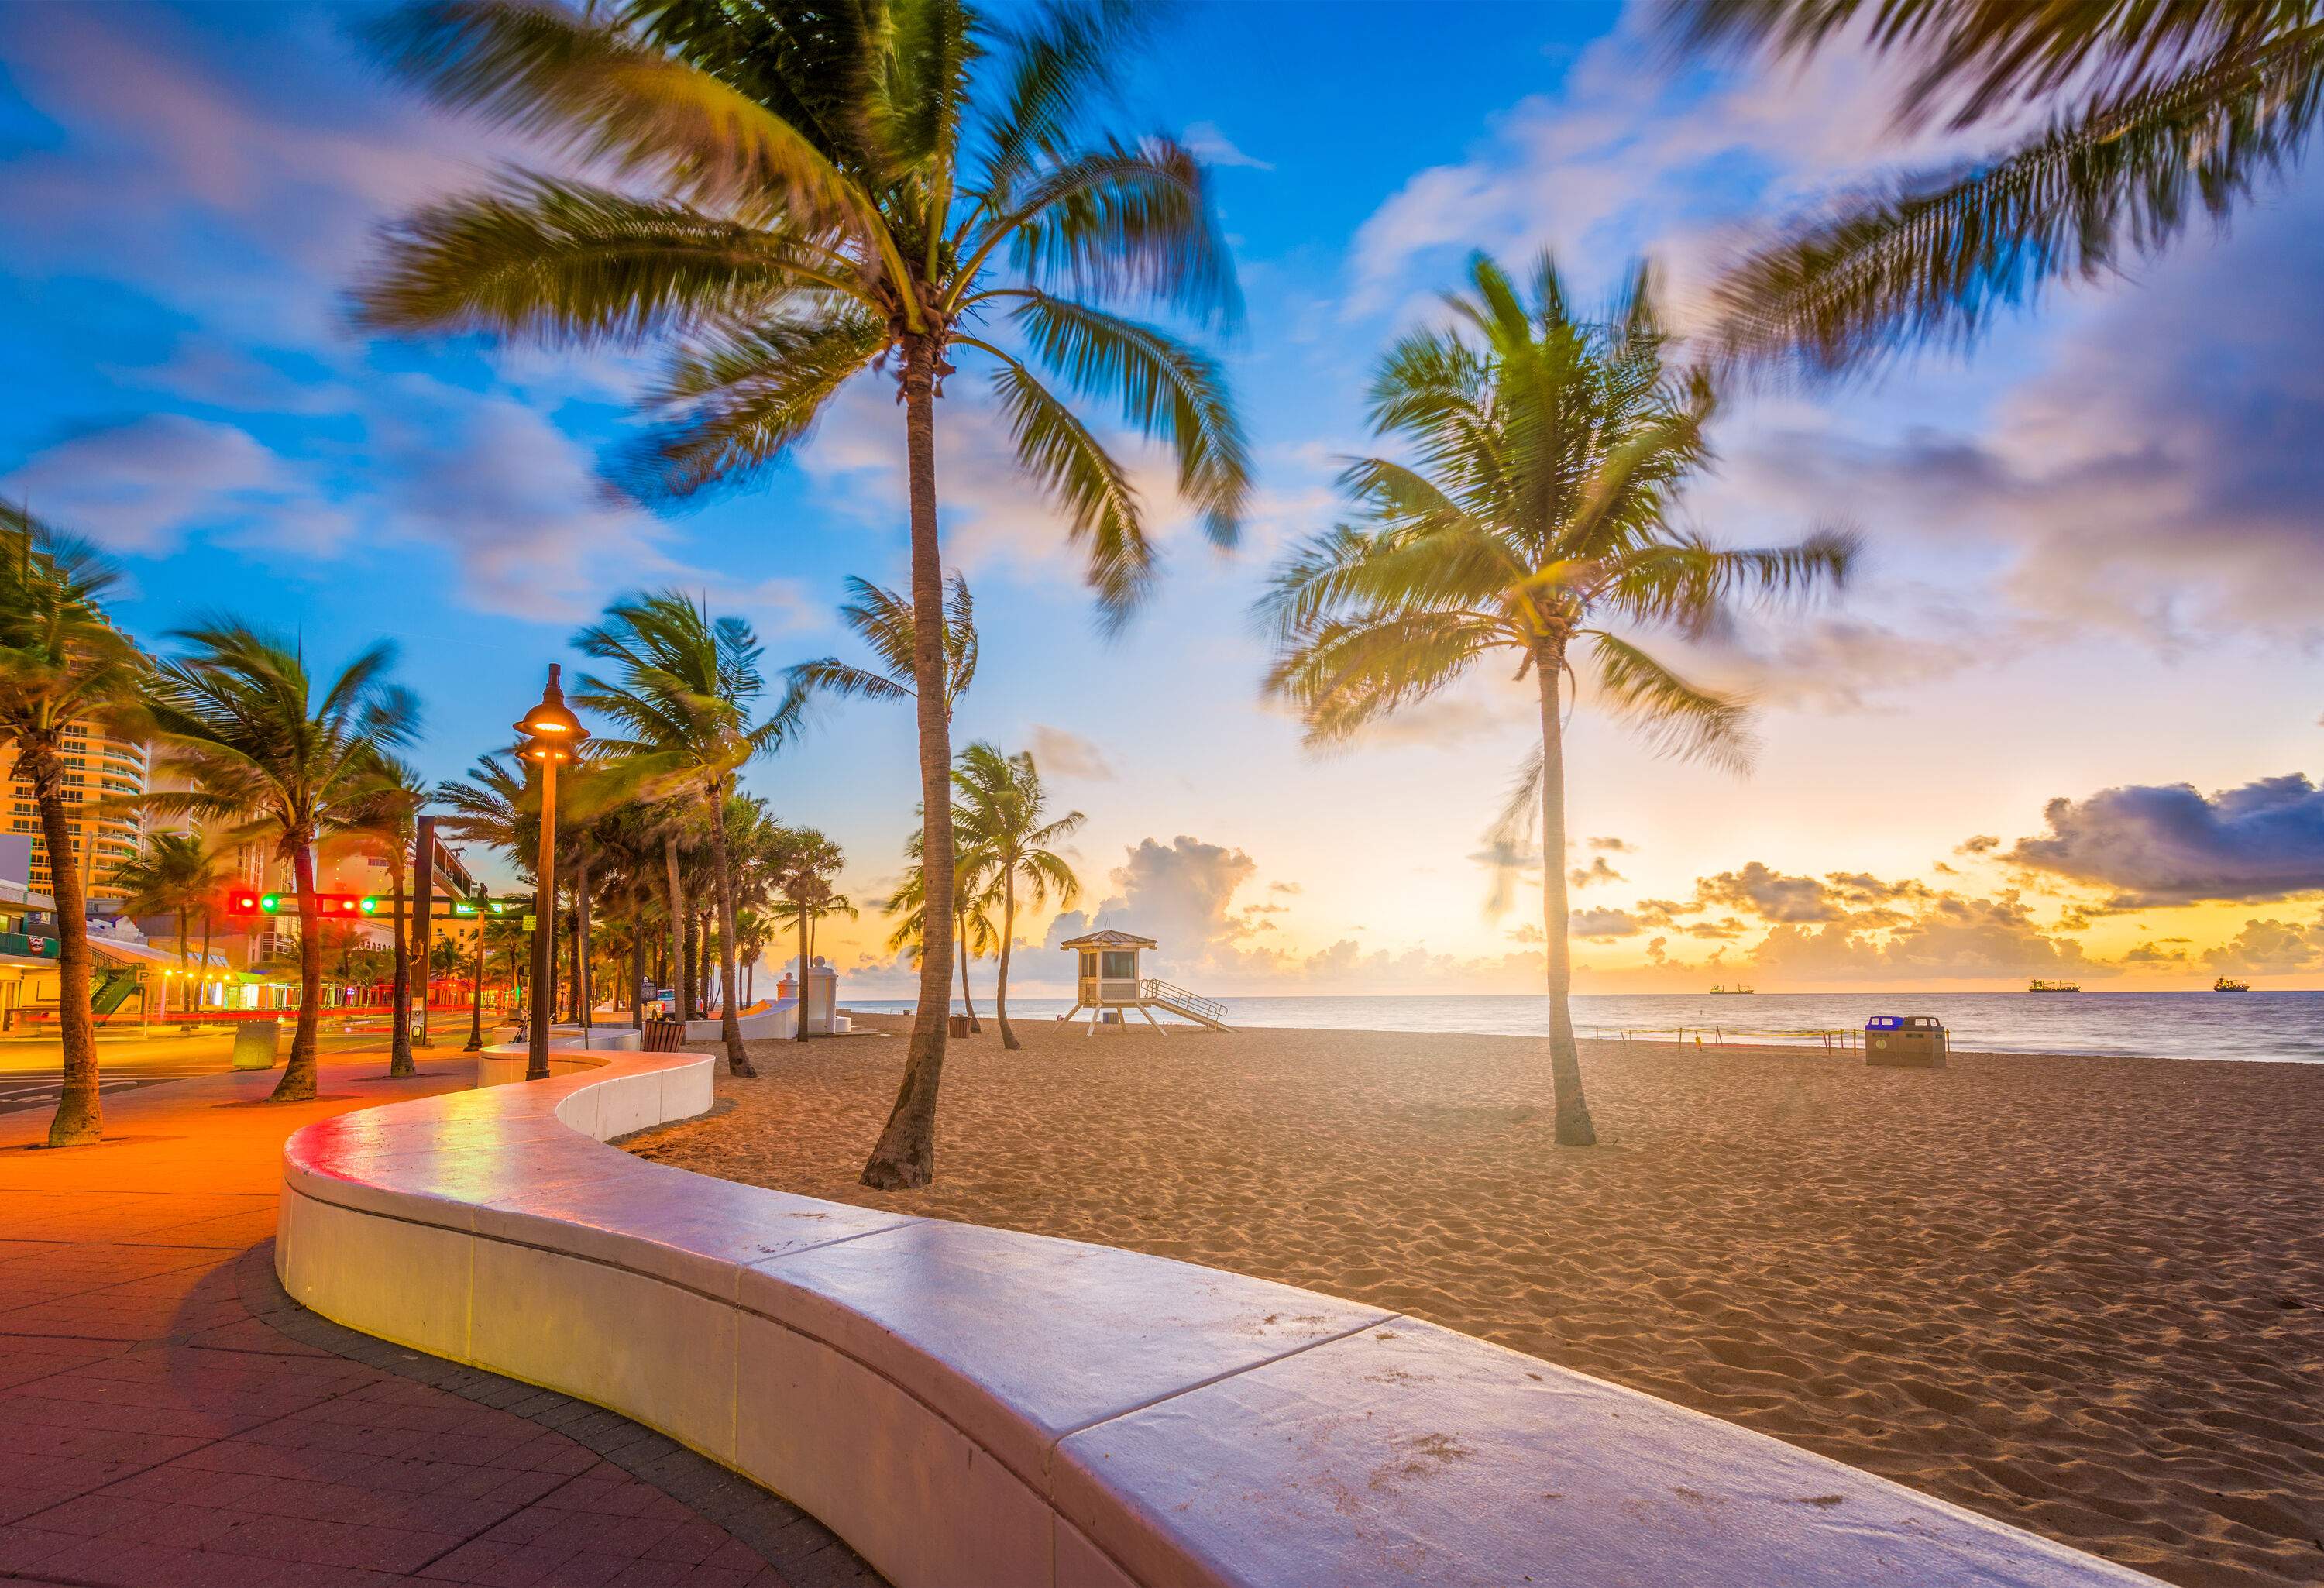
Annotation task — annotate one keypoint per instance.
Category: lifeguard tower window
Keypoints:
(1119, 966)
(1089, 961)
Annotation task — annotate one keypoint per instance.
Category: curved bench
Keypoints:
(967, 1406)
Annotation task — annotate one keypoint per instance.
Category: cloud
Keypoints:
(1597, 870)
(1177, 893)
(2171, 844)
(1768, 894)
(1613, 846)
(1954, 938)
(1603, 926)
(1214, 148)
(2271, 949)
(144, 485)
(1067, 754)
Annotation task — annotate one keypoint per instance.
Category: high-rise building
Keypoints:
(98, 765)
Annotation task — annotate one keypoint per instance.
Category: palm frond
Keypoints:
(1675, 716)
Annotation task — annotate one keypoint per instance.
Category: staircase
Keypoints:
(1186, 1005)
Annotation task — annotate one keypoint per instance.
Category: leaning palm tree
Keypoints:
(61, 663)
(1549, 452)
(683, 698)
(2154, 113)
(799, 193)
(239, 719)
(174, 874)
(882, 620)
(385, 824)
(1003, 821)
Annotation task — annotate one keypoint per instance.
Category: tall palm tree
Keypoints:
(1003, 820)
(61, 664)
(386, 824)
(809, 193)
(882, 620)
(239, 717)
(808, 861)
(2154, 112)
(974, 895)
(683, 698)
(175, 874)
(1548, 453)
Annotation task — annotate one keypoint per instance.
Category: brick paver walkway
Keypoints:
(169, 1419)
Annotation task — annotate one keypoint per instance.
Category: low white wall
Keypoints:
(969, 1406)
(772, 1022)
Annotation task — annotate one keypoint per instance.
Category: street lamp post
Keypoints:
(552, 735)
(476, 994)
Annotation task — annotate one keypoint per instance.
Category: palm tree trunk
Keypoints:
(1573, 1126)
(186, 1002)
(297, 1083)
(906, 1153)
(730, 1022)
(1000, 984)
(967, 995)
(80, 1116)
(638, 970)
(798, 1013)
(679, 917)
(584, 995)
(399, 1025)
(206, 945)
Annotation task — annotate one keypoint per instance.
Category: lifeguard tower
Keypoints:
(1112, 980)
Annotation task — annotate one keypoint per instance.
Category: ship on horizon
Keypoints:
(1723, 991)
(2230, 984)
(2041, 986)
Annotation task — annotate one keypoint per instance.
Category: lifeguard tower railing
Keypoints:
(1178, 1001)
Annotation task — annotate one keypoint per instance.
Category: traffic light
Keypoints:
(248, 901)
(485, 906)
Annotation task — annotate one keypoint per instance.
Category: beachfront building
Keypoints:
(1112, 981)
(98, 765)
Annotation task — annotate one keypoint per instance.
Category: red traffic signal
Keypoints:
(249, 901)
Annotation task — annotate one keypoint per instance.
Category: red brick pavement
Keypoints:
(169, 1420)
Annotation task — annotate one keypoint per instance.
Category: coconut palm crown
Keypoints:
(1548, 452)
(2154, 114)
(240, 721)
(789, 195)
(882, 620)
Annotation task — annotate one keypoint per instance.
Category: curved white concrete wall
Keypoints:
(968, 1406)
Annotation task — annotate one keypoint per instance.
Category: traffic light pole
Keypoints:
(423, 891)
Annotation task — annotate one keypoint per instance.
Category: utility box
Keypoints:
(1905, 1041)
(258, 1043)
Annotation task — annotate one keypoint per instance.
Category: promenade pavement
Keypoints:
(169, 1419)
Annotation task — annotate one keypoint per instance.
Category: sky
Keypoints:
(2064, 724)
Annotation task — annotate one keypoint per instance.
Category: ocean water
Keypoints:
(2285, 1027)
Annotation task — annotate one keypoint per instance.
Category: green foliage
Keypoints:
(785, 195)
(2176, 109)
(882, 620)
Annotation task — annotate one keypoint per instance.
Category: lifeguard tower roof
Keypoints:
(1109, 938)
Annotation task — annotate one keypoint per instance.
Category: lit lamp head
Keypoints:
(551, 731)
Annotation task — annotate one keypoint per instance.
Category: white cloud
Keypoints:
(1215, 148)
(144, 485)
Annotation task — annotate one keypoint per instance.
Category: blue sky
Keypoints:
(2094, 573)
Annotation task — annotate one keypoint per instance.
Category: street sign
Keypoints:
(249, 902)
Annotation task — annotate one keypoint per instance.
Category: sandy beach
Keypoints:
(2085, 1296)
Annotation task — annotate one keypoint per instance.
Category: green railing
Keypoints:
(27, 948)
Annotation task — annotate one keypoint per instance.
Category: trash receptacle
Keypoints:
(955, 1025)
(258, 1044)
(1905, 1041)
(664, 1036)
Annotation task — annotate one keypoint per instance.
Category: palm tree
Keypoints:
(1550, 451)
(445, 959)
(684, 698)
(176, 875)
(61, 663)
(807, 861)
(238, 717)
(1002, 805)
(814, 192)
(386, 823)
(2155, 111)
(882, 620)
(974, 895)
